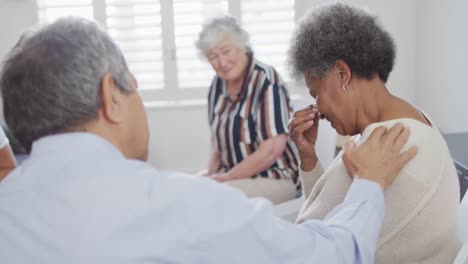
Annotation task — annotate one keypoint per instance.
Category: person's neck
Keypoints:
(379, 105)
(106, 130)
(234, 86)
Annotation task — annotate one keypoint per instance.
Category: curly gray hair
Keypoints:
(340, 31)
(214, 30)
(50, 80)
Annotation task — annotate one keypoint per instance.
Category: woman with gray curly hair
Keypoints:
(248, 111)
(346, 57)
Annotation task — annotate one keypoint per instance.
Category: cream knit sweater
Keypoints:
(421, 207)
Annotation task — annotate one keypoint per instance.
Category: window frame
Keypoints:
(171, 90)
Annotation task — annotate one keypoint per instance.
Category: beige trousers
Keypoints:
(275, 190)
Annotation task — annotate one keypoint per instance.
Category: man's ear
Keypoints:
(344, 71)
(111, 100)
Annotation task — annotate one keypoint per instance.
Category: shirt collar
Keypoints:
(74, 143)
(245, 80)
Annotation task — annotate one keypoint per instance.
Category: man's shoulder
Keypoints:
(170, 181)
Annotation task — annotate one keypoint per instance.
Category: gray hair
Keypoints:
(214, 30)
(340, 31)
(50, 80)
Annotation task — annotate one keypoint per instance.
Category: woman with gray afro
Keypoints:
(345, 57)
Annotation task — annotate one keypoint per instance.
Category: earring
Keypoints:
(345, 88)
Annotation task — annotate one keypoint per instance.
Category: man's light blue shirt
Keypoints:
(78, 200)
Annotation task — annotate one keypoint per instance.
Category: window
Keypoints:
(50, 10)
(136, 26)
(270, 24)
(157, 36)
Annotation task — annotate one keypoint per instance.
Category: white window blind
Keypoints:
(136, 26)
(50, 10)
(189, 16)
(270, 24)
(158, 37)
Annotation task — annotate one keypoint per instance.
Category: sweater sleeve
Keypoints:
(324, 190)
(309, 178)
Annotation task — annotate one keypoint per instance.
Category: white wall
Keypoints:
(15, 17)
(441, 85)
(179, 137)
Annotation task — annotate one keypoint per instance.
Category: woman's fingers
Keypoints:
(297, 127)
(297, 121)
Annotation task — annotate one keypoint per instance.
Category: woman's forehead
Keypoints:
(224, 41)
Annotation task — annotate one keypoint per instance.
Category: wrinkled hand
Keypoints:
(203, 173)
(220, 177)
(303, 129)
(378, 159)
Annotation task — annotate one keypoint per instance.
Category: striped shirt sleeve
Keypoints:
(273, 112)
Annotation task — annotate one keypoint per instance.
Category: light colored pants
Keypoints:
(275, 190)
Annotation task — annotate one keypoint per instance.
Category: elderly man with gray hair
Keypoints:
(86, 195)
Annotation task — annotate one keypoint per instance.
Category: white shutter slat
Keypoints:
(136, 26)
(51, 10)
(61, 3)
(135, 36)
(123, 11)
(270, 24)
(127, 2)
(122, 24)
(269, 4)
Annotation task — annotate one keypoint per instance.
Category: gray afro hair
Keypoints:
(341, 31)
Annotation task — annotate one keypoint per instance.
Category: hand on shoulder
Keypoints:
(378, 159)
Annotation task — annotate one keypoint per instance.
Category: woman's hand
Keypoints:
(303, 129)
(203, 173)
(214, 162)
(221, 177)
(378, 159)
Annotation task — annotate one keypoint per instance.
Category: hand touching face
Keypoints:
(303, 129)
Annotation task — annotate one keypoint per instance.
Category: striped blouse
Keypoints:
(261, 111)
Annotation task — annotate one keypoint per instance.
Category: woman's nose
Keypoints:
(222, 61)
